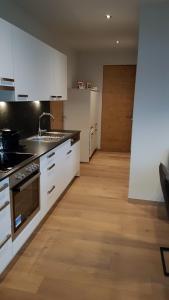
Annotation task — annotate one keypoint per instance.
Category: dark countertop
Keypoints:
(37, 149)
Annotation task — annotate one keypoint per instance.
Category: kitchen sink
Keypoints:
(45, 138)
(49, 137)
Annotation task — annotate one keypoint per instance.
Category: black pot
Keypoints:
(9, 139)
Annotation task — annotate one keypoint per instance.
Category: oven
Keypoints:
(25, 196)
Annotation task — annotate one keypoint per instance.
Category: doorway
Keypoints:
(117, 107)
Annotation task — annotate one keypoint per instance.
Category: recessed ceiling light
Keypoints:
(108, 16)
(117, 42)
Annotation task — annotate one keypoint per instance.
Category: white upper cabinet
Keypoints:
(40, 71)
(26, 60)
(59, 75)
(43, 80)
(6, 62)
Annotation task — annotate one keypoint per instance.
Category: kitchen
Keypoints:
(73, 222)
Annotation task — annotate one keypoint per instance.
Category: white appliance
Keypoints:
(92, 145)
(81, 113)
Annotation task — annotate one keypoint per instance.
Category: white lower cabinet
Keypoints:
(58, 168)
(25, 234)
(6, 252)
(76, 159)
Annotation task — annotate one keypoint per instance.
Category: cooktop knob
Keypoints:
(27, 169)
(18, 176)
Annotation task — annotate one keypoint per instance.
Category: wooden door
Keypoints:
(117, 107)
(56, 109)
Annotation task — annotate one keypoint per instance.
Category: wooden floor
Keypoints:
(95, 245)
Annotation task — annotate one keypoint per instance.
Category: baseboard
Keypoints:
(145, 202)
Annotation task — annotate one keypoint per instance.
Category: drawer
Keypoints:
(5, 251)
(51, 171)
(5, 221)
(52, 195)
(50, 157)
(47, 161)
(4, 191)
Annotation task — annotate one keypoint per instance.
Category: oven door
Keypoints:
(25, 203)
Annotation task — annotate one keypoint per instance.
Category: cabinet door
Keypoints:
(59, 75)
(27, 59)
(63, 160)
(5, 226)
(76, 159)
(48, 189)
(5, 253)
(44, 69)
(6, 63)
(94, 108)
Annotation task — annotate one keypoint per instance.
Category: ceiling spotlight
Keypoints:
(108, 17)
(117, 42)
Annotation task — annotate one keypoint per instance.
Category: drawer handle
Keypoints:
(70, 151)
(7, 79)
(5, 241)
(5, 186)
(53, 96)
(50, 155)
(59, 97)
(52, 189)
(51, 167)
(23, 96)
(4, 205)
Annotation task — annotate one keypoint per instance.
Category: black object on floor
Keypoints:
(164, 179)
(162, 251)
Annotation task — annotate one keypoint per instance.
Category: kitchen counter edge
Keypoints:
(38, 149)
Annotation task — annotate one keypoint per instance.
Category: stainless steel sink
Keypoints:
(49, 137)
(45, 138)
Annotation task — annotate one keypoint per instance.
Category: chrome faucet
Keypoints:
(40, 117)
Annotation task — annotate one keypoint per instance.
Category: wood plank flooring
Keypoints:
(95, 245)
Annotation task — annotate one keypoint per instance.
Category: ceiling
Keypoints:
(83, 24)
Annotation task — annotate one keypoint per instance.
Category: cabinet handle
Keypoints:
(4, 206)
(51, 167)
(5, 186)
(70, 151)
(59, 97)
(23, 96)
(5, 241)
(7, 79)
(50, 155)
(52, 189)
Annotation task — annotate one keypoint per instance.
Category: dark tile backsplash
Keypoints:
(24, 116)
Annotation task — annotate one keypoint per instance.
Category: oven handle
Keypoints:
(22, 187)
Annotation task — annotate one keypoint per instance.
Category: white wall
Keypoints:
(150, 139)
(90, 64)
(17, 16)
(90, 68)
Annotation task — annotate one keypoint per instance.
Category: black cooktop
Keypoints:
(9, 160)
